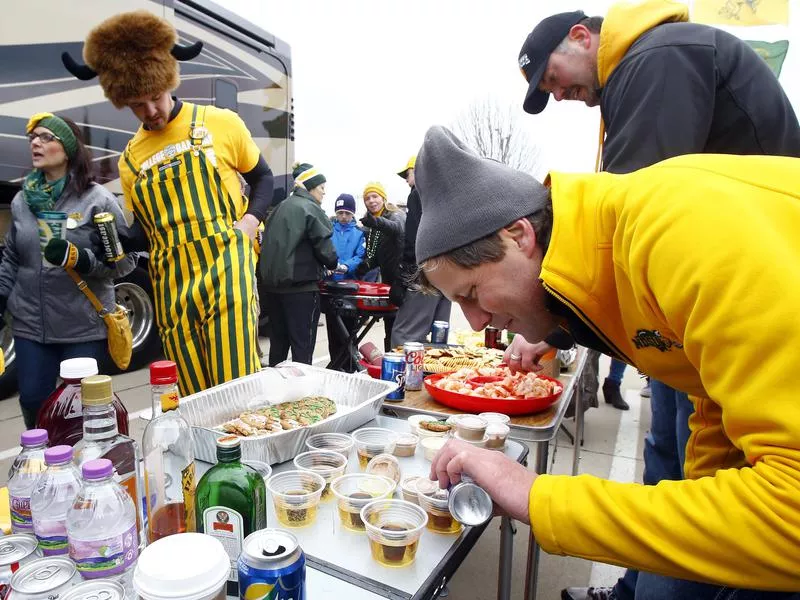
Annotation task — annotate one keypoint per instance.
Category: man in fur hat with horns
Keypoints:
(179, 177)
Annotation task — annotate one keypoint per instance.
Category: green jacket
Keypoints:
(297, 245)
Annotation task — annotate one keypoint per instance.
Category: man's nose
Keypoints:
(476, 317)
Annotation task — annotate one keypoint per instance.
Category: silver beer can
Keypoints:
(15, 552)
(48, 578)
(99, 589)
(415, 361)
(469, 503)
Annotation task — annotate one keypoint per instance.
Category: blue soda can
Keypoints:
(439, 332)
(272, 566)
(393, 368)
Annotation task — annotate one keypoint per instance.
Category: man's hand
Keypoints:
(249, 225)
(505, 480)
(341, 269)
(66, 254)
(524, 356)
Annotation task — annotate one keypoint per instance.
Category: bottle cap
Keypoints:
(97, 469)
(227, 442)
(58, 455)
(96, 390)
(78, 368)
(163, 372)
(33, 437)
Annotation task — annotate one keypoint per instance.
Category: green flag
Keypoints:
(772, 52)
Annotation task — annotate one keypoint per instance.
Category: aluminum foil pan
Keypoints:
(358, 400)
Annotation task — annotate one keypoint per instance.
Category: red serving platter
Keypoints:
(476, 404)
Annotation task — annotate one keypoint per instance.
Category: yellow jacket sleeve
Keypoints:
(722, 273)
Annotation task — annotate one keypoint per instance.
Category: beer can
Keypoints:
(16, 551)
(48, 578)
(393, 368)
(272, 565)
(469, 503)
(109, 237)
(439, 332)
(415, 359)
(491, 337)
(99, 589)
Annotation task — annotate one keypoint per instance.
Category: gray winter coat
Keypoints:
(46, 305)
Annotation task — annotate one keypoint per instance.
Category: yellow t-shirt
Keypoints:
(233, 149)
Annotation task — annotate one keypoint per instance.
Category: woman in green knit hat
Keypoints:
(52, 319)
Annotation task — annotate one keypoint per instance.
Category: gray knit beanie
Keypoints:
(465, 197)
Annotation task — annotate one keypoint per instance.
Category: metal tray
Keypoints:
(358, 399)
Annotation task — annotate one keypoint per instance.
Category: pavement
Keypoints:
(612, 449)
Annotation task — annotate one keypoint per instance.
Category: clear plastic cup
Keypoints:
(336, 442)
(372, 441)
(296, 496)
(263, 468)
(326, 463)
(434, 501)
(393, 528)
(356, 490)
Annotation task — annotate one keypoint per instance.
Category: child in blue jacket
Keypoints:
(348, 238)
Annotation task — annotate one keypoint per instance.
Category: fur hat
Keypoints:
(134, 54)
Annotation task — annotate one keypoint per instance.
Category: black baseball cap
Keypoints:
(536, 50)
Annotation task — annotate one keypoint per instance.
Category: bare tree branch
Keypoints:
(492, 131)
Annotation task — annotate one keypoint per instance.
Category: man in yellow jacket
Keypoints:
(688, 270)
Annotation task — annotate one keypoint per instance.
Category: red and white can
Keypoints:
(15, 551)
(415, 360)
(50, 577)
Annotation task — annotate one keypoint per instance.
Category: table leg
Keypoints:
(506, 558)
(579, 421)
(532, 573)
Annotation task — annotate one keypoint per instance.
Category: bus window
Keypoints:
(226, 95)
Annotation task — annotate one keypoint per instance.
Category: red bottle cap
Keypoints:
(163, 372)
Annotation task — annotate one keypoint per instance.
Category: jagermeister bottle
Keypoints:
(231, 503)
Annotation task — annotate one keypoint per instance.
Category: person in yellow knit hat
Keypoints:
(178, 175)
(688, 270)
(385, 226)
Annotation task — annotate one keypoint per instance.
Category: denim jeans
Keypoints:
(38, 366)
(664, 454)
(616, 371)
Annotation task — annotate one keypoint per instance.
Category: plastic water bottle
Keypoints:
(53, 494)
(101, 526)
(26, 469)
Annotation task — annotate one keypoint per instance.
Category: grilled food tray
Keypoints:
(358, 399)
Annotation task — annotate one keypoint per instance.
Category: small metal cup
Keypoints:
(469, 503)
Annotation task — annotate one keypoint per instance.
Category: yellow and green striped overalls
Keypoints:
(202, 269)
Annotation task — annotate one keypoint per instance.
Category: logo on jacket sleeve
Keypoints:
(652, 338)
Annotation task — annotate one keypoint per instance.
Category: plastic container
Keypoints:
(263, 468)
(385, 465)
(434, 501)
(101, 526)
(495, 417)
(326, 463)
(408, 489)
(371, 441)
(296, 496)
(24, 472)
(53, 494)
(189, 566)
(432, 445)
(355, 491)
(406, 444)
(62, 413)
(393, 528)
(338, 442)
(471, 427)
(481, 443)
(496, 436)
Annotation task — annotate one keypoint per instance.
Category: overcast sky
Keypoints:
(370, 76)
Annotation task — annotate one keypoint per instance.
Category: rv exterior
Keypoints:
(241, 67)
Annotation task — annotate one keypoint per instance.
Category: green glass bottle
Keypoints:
(231, 502)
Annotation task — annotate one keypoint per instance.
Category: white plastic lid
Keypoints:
(78, 368)
(189, 566)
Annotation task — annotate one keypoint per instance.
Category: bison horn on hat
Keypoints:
(85, 72)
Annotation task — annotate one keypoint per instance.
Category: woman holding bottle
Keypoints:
(52, 319)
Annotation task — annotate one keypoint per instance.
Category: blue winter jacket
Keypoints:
(350, 247)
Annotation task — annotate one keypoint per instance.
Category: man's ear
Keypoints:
(581, 35)
(521, 233)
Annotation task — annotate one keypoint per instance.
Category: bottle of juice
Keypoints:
(231, 503)
(51, 498)
(62, 412)
(101, 526)
(169, 479)
(26, 469)
(101, 439)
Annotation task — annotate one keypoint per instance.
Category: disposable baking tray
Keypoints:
(358, 399)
